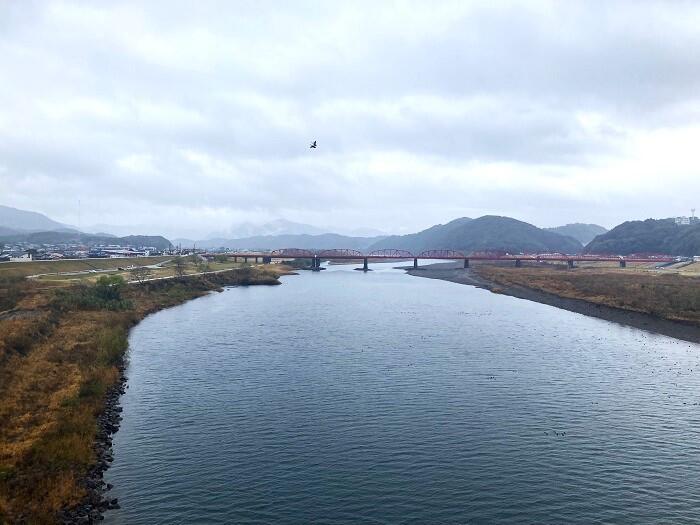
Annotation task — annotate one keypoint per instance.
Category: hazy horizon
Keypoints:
(187, 120)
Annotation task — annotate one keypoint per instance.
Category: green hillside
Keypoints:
(74, 237)
(583, 233)
(488, 233)
(649, 236)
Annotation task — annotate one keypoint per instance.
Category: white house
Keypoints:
(22, 258)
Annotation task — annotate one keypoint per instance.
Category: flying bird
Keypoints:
(313, 145)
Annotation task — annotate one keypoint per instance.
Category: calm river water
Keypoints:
(343, 397)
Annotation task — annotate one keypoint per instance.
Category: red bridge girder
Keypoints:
(488, 253)
(340, 252)
(442, 254)
(391, 252)
(297, 253)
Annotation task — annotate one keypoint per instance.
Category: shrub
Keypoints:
(105, 294)
(11, 291)
(112, 344)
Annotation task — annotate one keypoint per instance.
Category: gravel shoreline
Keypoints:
(455, 273)
(96, 503)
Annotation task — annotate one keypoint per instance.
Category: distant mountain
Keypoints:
(649, 236)
(9, 231)
(276, 227)
(363, 232)
(483, 234)
(107, 230)
(27, 221)
(324, 241)
(583, 233)
(70, 237)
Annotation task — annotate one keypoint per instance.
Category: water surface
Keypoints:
(343, 397)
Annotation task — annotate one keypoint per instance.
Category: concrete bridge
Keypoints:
(316, 256)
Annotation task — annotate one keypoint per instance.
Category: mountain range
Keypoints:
(583, 233)
(88, 239)
(280, 227)
(14, 221)
(322, 241)
(487, 233)
(649, 236)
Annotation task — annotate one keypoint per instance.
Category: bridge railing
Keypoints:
(442, 254)
(391, 253)
(295, 253)
(341, 252)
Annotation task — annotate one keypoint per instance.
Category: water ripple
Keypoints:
(344, 397)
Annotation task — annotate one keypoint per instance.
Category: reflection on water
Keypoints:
(344, 397)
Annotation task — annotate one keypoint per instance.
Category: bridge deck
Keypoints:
(451, 257)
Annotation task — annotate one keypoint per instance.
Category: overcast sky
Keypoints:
(187, 118)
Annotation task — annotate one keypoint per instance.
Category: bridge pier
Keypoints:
(518, 263)
(267, 259)
(235, 259)
(623, 263)
(415, 263)
(466, 263)
(316, 264)
(365, 266)
(256, 258)
(570, 262)
(245, 259)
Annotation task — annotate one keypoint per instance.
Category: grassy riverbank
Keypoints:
(667, 295)
(660, 301)
(60, 353)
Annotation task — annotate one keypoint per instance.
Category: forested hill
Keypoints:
(483, 234)
(649, 236)
(56, 237)
(583, 233)
(13, 220)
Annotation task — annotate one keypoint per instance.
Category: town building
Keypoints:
(27, 257)
(687, 221)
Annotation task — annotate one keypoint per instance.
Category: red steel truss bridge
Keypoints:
(342, 254)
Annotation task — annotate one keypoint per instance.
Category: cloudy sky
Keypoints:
(186, 118)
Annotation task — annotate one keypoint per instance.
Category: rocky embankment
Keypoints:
(97, 499)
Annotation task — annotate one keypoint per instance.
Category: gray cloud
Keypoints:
(189, 118)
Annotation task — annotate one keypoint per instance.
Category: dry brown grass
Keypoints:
(55, 367)
(23, 269)
(674, 296)
(166, 269)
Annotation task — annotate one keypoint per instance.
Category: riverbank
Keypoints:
(62, 362)
(664, 304)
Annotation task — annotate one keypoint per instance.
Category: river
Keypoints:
(344, 397)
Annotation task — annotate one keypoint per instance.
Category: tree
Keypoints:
(179, 267)
(109, 287)
(140, 273)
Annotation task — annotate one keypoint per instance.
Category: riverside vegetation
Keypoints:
(671, 296)
(61, 354)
